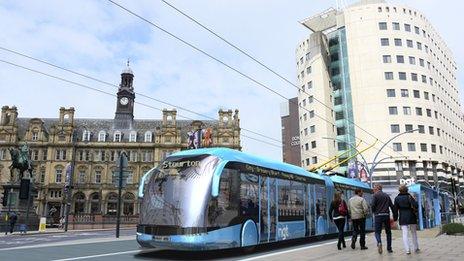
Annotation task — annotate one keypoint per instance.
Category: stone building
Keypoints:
(94, 145)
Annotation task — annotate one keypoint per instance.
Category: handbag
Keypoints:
(414, 209)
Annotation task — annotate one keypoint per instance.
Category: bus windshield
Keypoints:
(178, 192)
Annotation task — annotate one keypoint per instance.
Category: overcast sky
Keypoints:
(96, 38)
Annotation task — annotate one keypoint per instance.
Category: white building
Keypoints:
(384, 68)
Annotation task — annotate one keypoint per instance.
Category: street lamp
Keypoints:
(374, 163)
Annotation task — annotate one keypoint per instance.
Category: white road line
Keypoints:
(290, 250)
(101, 255)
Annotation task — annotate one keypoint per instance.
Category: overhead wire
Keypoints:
(114, 85)
(112, 94)
(238, 71)
(263, 65)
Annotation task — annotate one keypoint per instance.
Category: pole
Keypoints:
(70, 182)
(118, 219)
(9, 208)
(28, 201)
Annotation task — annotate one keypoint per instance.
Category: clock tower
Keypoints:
(124, 116)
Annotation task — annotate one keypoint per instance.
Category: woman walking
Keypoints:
(407, 207)
(338, 212)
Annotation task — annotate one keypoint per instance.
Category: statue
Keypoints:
(20, 161)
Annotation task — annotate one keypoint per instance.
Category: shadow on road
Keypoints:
(235, 253)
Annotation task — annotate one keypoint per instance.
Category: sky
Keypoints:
(96, 38)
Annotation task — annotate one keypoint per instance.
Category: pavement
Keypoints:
(101, 245)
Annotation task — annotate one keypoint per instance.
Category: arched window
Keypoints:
(112, 204)
(35, 134)
(148, 136)
(79, 203)
(117, 136)
(102, 136)
(58, 175)
(86, 135)
(133, 136)
(128, 205)
(95, 203)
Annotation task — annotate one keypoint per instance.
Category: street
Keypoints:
(102, 245)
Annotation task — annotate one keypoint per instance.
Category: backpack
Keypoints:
(342, 210)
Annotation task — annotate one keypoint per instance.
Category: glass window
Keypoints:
(321, 209)
(400, 59)
(58, 175)
(393, 110)
(383, 26)
(402, 76)
(98, 175)
(398, 42)
(421, 128)
(419, 45)
(416, 29)
(434, 148)
(412, 60)
(407, 27)
(424, 78)
(388, 75)
(311, 114)
(426, 95)
(414, 77)
(313, 144)
(314, 159)
(397, 146)
(339, 115)
(409, 43)
(396, 26)
(291, 200)
(404, 93)
(421, 62)
(408, 127)
(416, 93)
(407, 110)
(391, 93)
(102, 136)
(418, 111)
(384, 42)
(133, 136)
(429, 112)
(431, 132)
(395, 128)
(411, 147)
(423, 147)
(387, 59)
(312, 129)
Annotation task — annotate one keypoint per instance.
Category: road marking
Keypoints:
(288, 251)
(73, 242)
(101, 255)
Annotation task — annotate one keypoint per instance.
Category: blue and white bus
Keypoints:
(219, 198)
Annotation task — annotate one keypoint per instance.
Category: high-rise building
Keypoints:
(376, 70)
(94, 146)
(291, 152)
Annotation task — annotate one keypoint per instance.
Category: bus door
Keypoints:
(272, 209)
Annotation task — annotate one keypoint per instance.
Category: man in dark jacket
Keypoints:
(13, 218)
(381, 205)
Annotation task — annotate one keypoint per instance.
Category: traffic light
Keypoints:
(5, 198)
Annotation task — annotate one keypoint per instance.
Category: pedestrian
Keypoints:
(338, 212)
(358, 210)
(13, 218)
(62, 221)
(381, 206)
(407, 207)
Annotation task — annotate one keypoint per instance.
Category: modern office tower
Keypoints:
(291, 152)
(377, 70)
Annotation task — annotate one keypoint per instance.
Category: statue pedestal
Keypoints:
(26, 215)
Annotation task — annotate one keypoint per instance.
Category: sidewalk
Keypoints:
(432, 247)
(57, 231)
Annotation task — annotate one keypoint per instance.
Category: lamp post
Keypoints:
(375, 163)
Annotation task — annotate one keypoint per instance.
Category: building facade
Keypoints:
(381, 70)
(94, 145)
(291, 152)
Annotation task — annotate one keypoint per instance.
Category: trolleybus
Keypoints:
(219, 198)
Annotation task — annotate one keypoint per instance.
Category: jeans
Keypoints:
(379, 221)
(340, 223)
(359, 228)
(413, 228)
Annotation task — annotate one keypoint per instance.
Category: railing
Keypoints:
(98, 221)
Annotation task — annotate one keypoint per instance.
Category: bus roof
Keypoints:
(349, 181)
(227, 154)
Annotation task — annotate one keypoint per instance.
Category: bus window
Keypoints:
(321, 209)
(291, 204)
(223, 210)
(249, 204)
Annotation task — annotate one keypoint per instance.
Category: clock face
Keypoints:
(124, 101)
